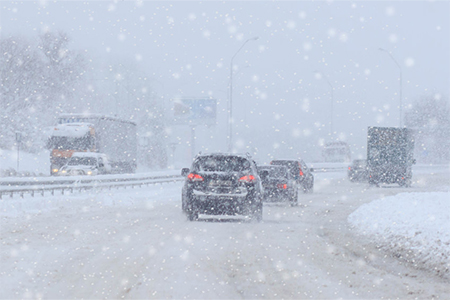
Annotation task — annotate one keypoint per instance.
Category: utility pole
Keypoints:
(230, 102)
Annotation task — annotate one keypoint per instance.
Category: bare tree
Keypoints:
(36, 80)
(20, 79)
(63, 70)
(430, 118)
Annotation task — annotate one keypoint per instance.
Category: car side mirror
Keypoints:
(311, 170)
(184, 172)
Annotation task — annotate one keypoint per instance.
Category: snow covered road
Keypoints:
(136, 243)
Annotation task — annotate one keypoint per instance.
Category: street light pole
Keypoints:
(401, 88)
(332, 100)
(230, 103)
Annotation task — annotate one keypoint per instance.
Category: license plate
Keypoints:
(220, 183)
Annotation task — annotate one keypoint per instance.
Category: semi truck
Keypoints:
(117, 138)
(390, 155)
(338, 151)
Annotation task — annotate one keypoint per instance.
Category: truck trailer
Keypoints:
(390, 155)
(117, 138)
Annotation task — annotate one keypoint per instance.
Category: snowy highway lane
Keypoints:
(136, 244)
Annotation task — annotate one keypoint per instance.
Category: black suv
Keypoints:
(222, 184)
(300, 171)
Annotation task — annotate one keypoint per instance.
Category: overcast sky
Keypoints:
(281, 105)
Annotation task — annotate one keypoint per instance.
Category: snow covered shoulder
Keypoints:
(414, 226)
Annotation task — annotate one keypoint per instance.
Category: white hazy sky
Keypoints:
(281, 107)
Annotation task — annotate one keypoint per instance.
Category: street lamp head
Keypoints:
(254, 38)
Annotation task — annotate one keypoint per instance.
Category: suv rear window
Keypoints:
(275, 172)
(290, 164)
(221, 164)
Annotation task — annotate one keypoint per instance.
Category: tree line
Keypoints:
(429, 117)
(43, 76)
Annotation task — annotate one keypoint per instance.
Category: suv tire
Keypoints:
(294, 199)
(192, 215)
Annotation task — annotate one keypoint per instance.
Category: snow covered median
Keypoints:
(413, 226)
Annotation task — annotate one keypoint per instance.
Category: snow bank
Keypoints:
(30, 164)
(414, 226)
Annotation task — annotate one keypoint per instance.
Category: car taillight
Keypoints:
(282, 186)
(301, 172)
(248, 178)
(349, 168)
(194, 177)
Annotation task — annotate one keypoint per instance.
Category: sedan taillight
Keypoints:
(247, 178)
(194, 177)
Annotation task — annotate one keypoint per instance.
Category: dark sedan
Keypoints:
(357, 171)
(278, 184)
(299, 171)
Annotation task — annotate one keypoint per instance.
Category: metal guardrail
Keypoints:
(326, 170)
(41, 185)
(32, 187)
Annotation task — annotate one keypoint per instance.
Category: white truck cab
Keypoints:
(86, 163)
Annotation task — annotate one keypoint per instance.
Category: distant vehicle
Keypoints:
(300, 172)
(357, 171)
(390, 155)
(86, 163)
(94, 133)
(278, 184)
(336, 152)
(222, 184)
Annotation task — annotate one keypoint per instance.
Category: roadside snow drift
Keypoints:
(413, 226)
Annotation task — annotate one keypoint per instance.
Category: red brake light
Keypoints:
(194, 177)
(248, 178)
(300, 168)
(282, 186)
(349, 168)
